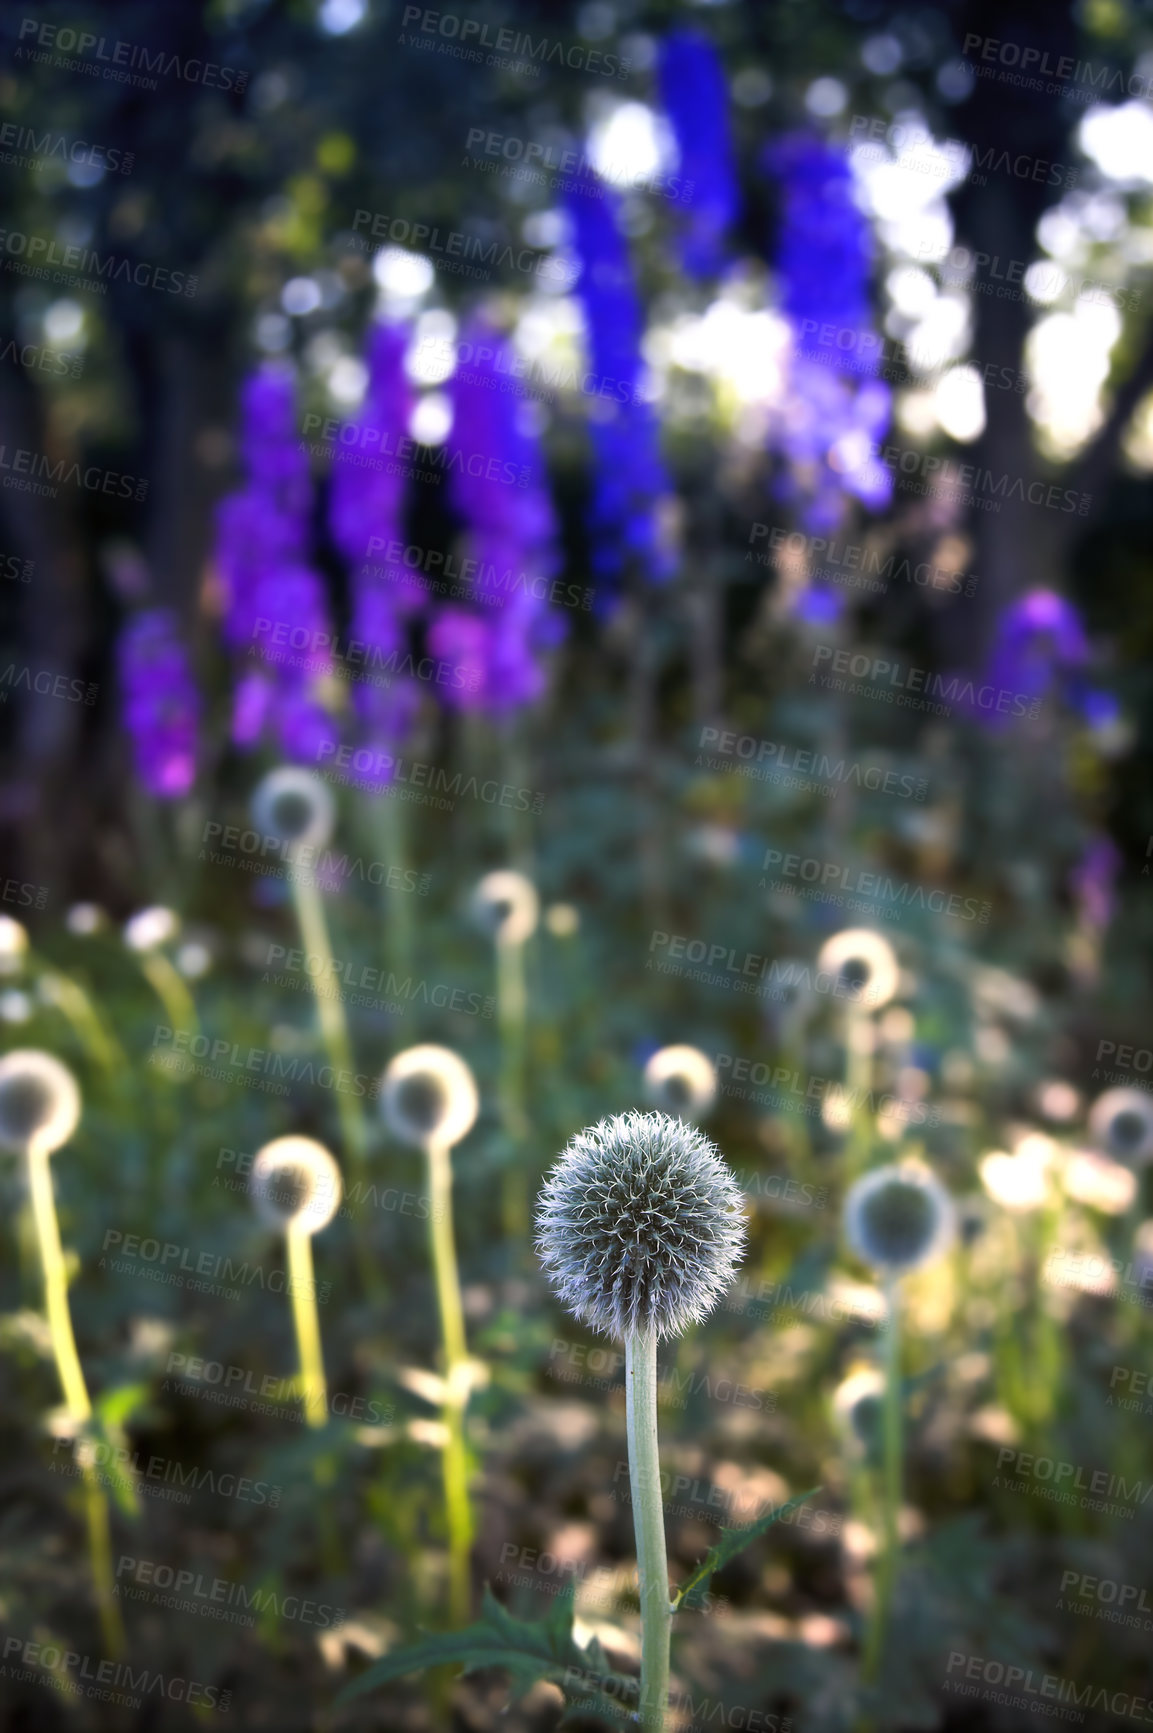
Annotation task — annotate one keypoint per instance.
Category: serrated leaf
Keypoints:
(693, 1590)
(528, 1649)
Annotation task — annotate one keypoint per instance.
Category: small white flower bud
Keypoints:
(294, 806)
(681, 1080)
(1121, 1122)
(39, 1101)
(428, 1096)
(150, 928)
(295, 1181)
(865, 963)
(506, 906)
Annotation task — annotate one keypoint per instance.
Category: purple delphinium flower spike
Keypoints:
(160, 703)
(695, 98)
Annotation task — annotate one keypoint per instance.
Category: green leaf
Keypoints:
(528, 1649)
(693, 1590)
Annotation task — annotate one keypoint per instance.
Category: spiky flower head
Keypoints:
(640, 1225)
(505, 905)
(295, 1182)
(39, 1101)
(681, 1080)
(898, 1217)
(865, 963)
(294, 806)
(1121, 1122)
(150, 928)
(428, 1096)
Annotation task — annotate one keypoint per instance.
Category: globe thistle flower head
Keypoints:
(150, 928)
(899, 1217)
(681, 1080)
(1121, 1123)
(39, 1101)
(294, 806)
(84, 919)
(13, 945)
(505, 905)
(295, 1182)
(428, 1095)
(640, 1225)
(865, 963)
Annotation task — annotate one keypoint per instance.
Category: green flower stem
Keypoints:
(302, 1283)
(649, 1525)
(72, 1384)
(69, 998)
(859, 1085)
(455, 1462)
(330, 1014)
(888, 1557)
(168, 985)
(390, 824)
(511, 1008)
(334, 1033)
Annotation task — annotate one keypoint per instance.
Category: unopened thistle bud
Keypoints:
(150, 928)
(295, 1182)
(506, 906)
(681, 1080)
(39, 1101)
(294, 806)
(864, 963)
(898, 1217)
(1121, 1122)
(640, 1225)
(428, 1096)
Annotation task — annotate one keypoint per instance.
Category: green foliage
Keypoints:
(693, 1592)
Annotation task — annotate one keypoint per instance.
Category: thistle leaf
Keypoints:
(528, 1649)
(693, 1590)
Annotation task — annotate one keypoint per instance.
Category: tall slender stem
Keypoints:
(891, 1464)
(304, 1315)
(168, 985)
(649, 1525)
(396, 909)
(510, 999)
(455, 1461)
(334, 1033)
(72, 1383)
(859, 1039)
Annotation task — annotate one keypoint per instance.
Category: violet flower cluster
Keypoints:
(366, 510)
(1041, 651)
(695, 99)
(828, 425)
(275, 610)
(500, 489)
(160, 704)
(631, 482)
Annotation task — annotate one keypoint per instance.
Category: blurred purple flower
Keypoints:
(828, 427)
(275, 609)
(499, 486)
(160, 703)
(630, 477)
(1093, 882)
(695, 98)
(1040, 648)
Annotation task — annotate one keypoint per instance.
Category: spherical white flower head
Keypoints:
(39, 1101)
(681, 1080)
(640, 1225)
(1121, 1122)
(13, 945)
(294, 806)
(428, 1095)
(865, 963)
(505, 905)
(295, 1181)
(898, 1217)
(150, 928)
